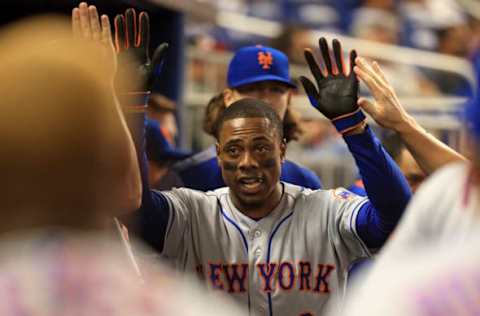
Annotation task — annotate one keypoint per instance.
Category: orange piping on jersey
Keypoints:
(359, 183)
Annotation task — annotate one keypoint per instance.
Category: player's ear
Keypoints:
(228, 97)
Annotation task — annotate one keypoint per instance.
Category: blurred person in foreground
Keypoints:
(68, 167)
(435, 280)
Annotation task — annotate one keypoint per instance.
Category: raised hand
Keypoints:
(87, 25)
(337, 93)
(133, 37)
(386, 110)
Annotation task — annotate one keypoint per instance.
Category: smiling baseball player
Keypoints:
(277, 248)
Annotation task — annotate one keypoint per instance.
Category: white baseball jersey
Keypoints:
(445, 207)
(53, 273)
(443, 280)
(288, 263)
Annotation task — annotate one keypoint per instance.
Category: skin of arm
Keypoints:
(87, 24)
(386, 110)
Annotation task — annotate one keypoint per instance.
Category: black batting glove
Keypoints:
(132, 38)
(337, 93)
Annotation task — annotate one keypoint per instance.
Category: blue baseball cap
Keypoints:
(157, 146)
(258, 63)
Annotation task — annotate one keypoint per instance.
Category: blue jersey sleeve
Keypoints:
(387, 189)
(151, 220)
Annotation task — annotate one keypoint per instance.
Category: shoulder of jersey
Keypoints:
(296, 191)
(218, 192)
(342, 194)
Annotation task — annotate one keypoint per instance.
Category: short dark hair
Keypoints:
(250, 107)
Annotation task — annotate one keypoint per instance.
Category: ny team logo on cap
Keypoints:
(256, 64)
(265, 59)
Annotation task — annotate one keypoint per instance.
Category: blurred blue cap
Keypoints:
(258, 63)
(157, 146)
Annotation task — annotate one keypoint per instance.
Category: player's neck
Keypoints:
(261, 210)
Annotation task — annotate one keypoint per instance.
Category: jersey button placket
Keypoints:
(257, 244)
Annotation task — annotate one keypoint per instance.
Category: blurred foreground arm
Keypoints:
(429, 152)
(86, 24)
(132, 36)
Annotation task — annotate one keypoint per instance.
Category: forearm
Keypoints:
(134, 108)
(131, 176)
(150, 221)
(429, 152)
(386, 187)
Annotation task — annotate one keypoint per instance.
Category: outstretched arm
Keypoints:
(386, 187)
(86, 24)
(135, 75)
(429, 152)
(151, 220)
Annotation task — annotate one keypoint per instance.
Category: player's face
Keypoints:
(250, 154)
(276, 94)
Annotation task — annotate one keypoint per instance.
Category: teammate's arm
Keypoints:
(429, 152)
(87, 24)
(386, 187)
(151, 220)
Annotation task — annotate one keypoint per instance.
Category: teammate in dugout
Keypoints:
(277, 248)
(258, 72)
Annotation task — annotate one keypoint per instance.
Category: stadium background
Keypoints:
(428, 48)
